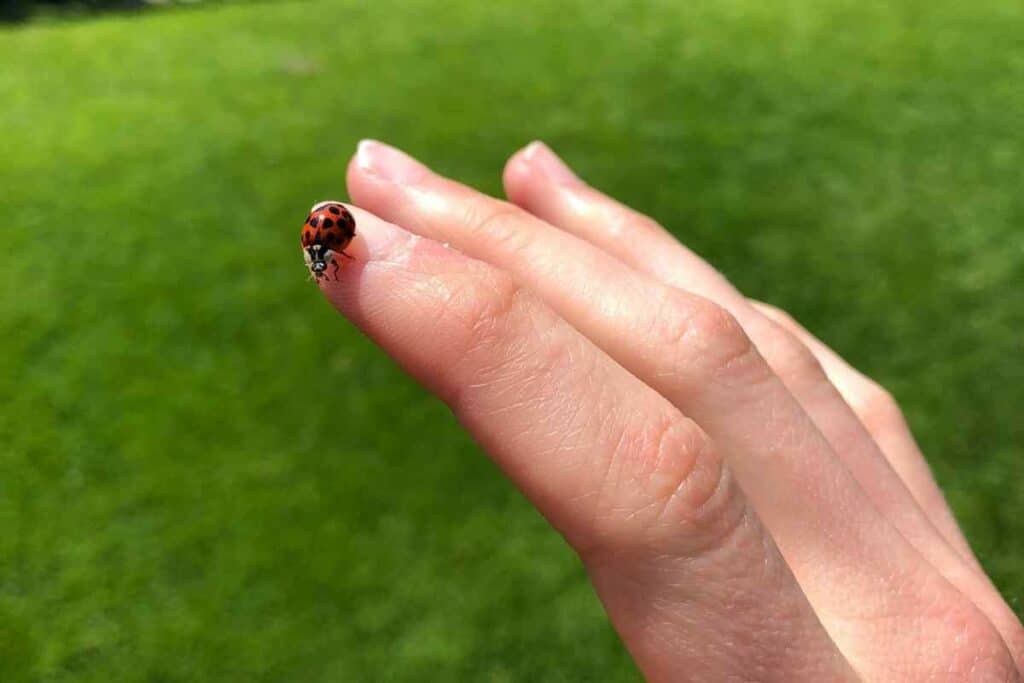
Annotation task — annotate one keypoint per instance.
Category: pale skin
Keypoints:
(747, 505)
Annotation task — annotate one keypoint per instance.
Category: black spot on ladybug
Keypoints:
(335, 210)
(328, 223)
(315, 221)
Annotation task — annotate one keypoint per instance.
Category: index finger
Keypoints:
(677, 555)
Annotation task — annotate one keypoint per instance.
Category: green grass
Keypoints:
(205, 474)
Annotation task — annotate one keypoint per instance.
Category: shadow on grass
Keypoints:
(12, 11)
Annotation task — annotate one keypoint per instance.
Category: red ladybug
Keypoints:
(327, 231)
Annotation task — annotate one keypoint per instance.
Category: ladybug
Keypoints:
(328, 229)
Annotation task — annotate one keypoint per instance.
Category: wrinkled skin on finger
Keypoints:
(690, 577)
(862, 423)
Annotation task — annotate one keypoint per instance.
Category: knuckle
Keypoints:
(481, 306)
(697, 502)
(683, 318)
(714, 330)
(794, 362)
(492, 306)
(877, 408)
(509, 347)
(497, 222)
(666, 491)
(702, 340)
(680, 464)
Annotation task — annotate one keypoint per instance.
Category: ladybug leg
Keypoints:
(334, 262)
(350, 258)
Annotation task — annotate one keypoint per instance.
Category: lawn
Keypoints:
(206, 474)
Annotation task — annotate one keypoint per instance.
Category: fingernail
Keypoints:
(384, 242)
(388, 163)
(540, 157)
(376, 240)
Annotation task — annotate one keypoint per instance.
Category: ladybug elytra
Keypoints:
(328, 229)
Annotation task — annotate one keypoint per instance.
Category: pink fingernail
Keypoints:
(388, 163)
(540, 156)
(377, 240)
(383, 242)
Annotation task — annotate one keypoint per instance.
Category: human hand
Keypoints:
(747, 505)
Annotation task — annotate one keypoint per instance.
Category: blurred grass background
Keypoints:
(205, 474)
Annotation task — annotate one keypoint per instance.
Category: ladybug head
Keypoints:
(317, 257)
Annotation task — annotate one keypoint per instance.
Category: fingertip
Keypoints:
(377, 241)
(365, 188)
(388, 163)
(541, 157)
(384, 260)
(536, 169)
(515, 177)
(378, 175)
(356, 178)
